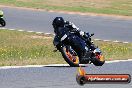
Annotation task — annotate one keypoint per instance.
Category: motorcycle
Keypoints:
(2, 21)
(71, 56)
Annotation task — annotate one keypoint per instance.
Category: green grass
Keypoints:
(115, 51)
(118, 7)
(22, 48)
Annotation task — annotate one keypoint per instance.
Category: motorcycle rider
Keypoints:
(81, 34)
(2, 21)
(60, 26)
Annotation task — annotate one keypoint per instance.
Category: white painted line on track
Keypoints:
(27, 66)
(106, 40)
(30, 31)
(2, 28)
(97, 39)
(48, 33)
(116, 41)
(56, 65)
(39, 32)
(20, 30)
(12, 29)
(54, 35)
(114, 61)
(125, 42)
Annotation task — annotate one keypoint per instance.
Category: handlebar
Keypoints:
(92, 34)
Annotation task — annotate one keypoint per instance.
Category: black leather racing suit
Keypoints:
(81, 34)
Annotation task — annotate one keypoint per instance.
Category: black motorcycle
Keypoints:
(2, 21)
(71, 56)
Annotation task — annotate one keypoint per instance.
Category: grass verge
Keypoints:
(118, 7)
(23, 48)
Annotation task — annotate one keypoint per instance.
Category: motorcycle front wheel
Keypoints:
(70, 56)
(98, 60)
(2, 22)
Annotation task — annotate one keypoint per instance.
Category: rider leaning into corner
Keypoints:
(61, 26)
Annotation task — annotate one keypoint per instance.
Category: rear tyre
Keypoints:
(71, 58)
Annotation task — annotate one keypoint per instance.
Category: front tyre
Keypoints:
(2, 22)
(97, 57)
(70, 56)
(98, 60)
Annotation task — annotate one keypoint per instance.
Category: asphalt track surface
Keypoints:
(64, 77)
(108, 28)
(60, 77)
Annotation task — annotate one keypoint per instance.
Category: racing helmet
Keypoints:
(58, 22)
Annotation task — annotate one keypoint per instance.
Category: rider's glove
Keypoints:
(71, 25)
(81, 33)
(86, 35)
